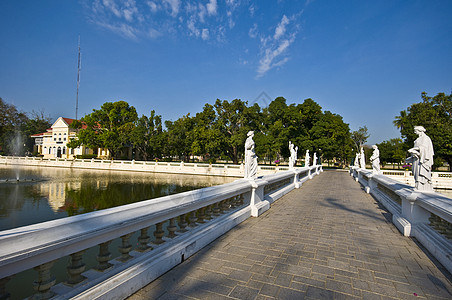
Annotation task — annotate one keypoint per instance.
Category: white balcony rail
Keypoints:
(227, 170)
(427, 216)
(440, 180)
(182, 224)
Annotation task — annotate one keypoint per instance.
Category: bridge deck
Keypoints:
(326, 240)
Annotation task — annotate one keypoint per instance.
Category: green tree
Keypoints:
(179, 138)
(12, 124)
(392, 151)
(277, 128)
(207, 137)
(360, 137)
(37, 123)
(108, 127)
(435, 114)
(144, 135)
(332, 136)
(234, 120)
(309, 113)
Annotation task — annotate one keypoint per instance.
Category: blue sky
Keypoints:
(365, 60)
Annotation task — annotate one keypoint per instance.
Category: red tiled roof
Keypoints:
(37, 134)
(69, 122)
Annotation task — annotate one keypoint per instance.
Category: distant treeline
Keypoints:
(218, 132)
(16, 128)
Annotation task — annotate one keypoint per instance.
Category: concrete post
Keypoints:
(296, 180)
(413, 212)
(257, 202)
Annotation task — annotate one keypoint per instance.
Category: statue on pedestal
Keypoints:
(356, 163)
(306, 159)
(314, 159)
(362, 159)
(422, 160)
(291, 149)
(375, 160)
(295, 155)
(250, 157)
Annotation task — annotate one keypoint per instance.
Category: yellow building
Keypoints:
(53, 142)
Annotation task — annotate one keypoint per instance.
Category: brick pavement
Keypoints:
(326, 240)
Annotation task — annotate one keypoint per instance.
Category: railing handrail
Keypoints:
(200, 164)
(425, 215)
(229, 170)
(61, 237)
(38, 246)
(34, 244)
(435, 203)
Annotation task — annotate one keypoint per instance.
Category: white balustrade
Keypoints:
(427, 216)
(201, 215)
(142, 166)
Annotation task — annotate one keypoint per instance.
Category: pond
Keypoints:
(43, 193)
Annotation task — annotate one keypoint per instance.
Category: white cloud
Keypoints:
(174, 5)
(132, 19)
(252, 9)
(153, 33)
(233, 4)
(201, 12)
(205, 34)
(153, 6)
(124, 30)
(112, 7)
(130, 10)
(274, 47)
(125, 9)
(192, 27)
(212, 7)
(252, 33)
(281, 28)
(270, 60)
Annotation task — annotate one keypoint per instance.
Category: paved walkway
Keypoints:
(326, 240)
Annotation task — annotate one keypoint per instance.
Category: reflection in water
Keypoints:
(58, 192)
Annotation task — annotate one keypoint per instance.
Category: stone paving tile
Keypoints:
(245, 293)
(326, 240)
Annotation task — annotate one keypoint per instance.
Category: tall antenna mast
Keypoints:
(78, 78)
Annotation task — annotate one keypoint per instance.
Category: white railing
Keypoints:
(427, 216)
(440, 180)
(182, 224)
(142, 166)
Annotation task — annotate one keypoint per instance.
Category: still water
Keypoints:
(44, 193)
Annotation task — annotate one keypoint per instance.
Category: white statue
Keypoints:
(314, 159)
(362, 159)
(306, 159)
(293, 155)
(250, 157)
(422, 160)
(375, 160)
(356, 163)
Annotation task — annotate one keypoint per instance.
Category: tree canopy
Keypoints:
(16, 127)
(108, 127)
(435, 115)
(360, 137)
(219, 131)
